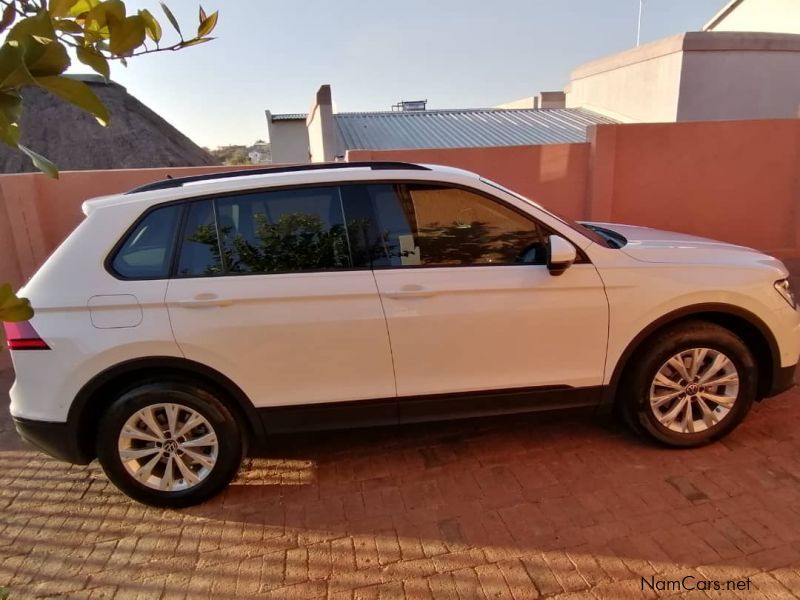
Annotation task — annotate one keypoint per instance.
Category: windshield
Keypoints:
(592, 233)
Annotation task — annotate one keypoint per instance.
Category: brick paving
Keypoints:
(541, 506)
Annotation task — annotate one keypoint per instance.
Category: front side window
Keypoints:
(435, 225)
(283, 231)
(146, 252)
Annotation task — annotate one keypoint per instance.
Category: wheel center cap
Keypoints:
(692, 389)
(170, 446)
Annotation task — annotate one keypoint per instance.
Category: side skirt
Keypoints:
(417, 409)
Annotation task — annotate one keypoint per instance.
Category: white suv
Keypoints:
(184, 321)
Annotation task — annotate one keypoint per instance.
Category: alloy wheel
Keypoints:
(694, 390)
(168, 447)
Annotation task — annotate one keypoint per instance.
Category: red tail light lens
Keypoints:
(22, 336)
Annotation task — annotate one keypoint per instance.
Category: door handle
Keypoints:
(205, 300)
(410, 291)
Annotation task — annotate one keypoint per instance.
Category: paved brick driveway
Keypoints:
(540, 506)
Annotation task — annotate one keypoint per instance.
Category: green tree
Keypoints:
(36, 52)
(231, 155)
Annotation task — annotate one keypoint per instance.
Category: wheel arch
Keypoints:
(750, 328)
(96, 395)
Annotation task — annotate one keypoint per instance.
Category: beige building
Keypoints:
(543, 100)
(776, 16)
(288, 138)
(693, 77)
(743, 65)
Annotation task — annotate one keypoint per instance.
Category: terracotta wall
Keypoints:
(557, 172)
(737, 181)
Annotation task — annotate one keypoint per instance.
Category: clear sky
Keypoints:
(274, 54)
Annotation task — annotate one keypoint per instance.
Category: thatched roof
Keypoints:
(136, 138)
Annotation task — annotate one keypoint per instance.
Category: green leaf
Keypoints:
(97, 22)
(208, 24)
(202, 14)
(82, 6)
(10, 112)
(43, 53)
(41, 163)
(45, 57)
(39, 25)
(9, 132)
(11, 105)
(126, 35)
(171, 18)
(68, 26)
(13, 72)
(195, 42)
(76, 93)
(13, 308)
(3, 593)
(95, 60)
(113, 9)
(8, 17)
(151, 26)
(61, 8)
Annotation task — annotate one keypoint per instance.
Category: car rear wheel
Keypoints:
(169, 444)
(693, 384)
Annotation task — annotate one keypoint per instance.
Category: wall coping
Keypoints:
(692, 41)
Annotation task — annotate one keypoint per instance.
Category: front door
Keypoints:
(266, 293)
(469, 301)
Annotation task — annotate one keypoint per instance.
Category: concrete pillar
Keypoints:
(602, 157)
(18, 197)
(552, 100)
(322, 138)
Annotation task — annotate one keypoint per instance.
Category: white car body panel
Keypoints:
(485, 327)
(300, 339)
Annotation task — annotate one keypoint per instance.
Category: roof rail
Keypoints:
(180, 181)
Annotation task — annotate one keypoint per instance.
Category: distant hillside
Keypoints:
(257, 153)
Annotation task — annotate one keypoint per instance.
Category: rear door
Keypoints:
(469, 301)
(265, 292)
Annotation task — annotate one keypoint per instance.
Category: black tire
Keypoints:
(634, 396)
(229, 434)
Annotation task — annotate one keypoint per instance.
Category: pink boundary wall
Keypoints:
(737, 181)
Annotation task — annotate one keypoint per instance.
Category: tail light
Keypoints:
(22, 336)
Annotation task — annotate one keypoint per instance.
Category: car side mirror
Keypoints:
(560, 254)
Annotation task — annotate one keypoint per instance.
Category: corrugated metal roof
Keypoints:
(289, 117)
(464, 128)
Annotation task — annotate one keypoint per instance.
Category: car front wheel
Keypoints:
(694, 384)
(169, 444)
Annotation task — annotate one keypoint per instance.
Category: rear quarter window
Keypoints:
(146, 252)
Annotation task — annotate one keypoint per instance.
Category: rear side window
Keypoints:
(283, 231)
(146, 252)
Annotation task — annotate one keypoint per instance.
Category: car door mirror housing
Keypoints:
(560, 254)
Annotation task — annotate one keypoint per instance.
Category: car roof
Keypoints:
(242, 180)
